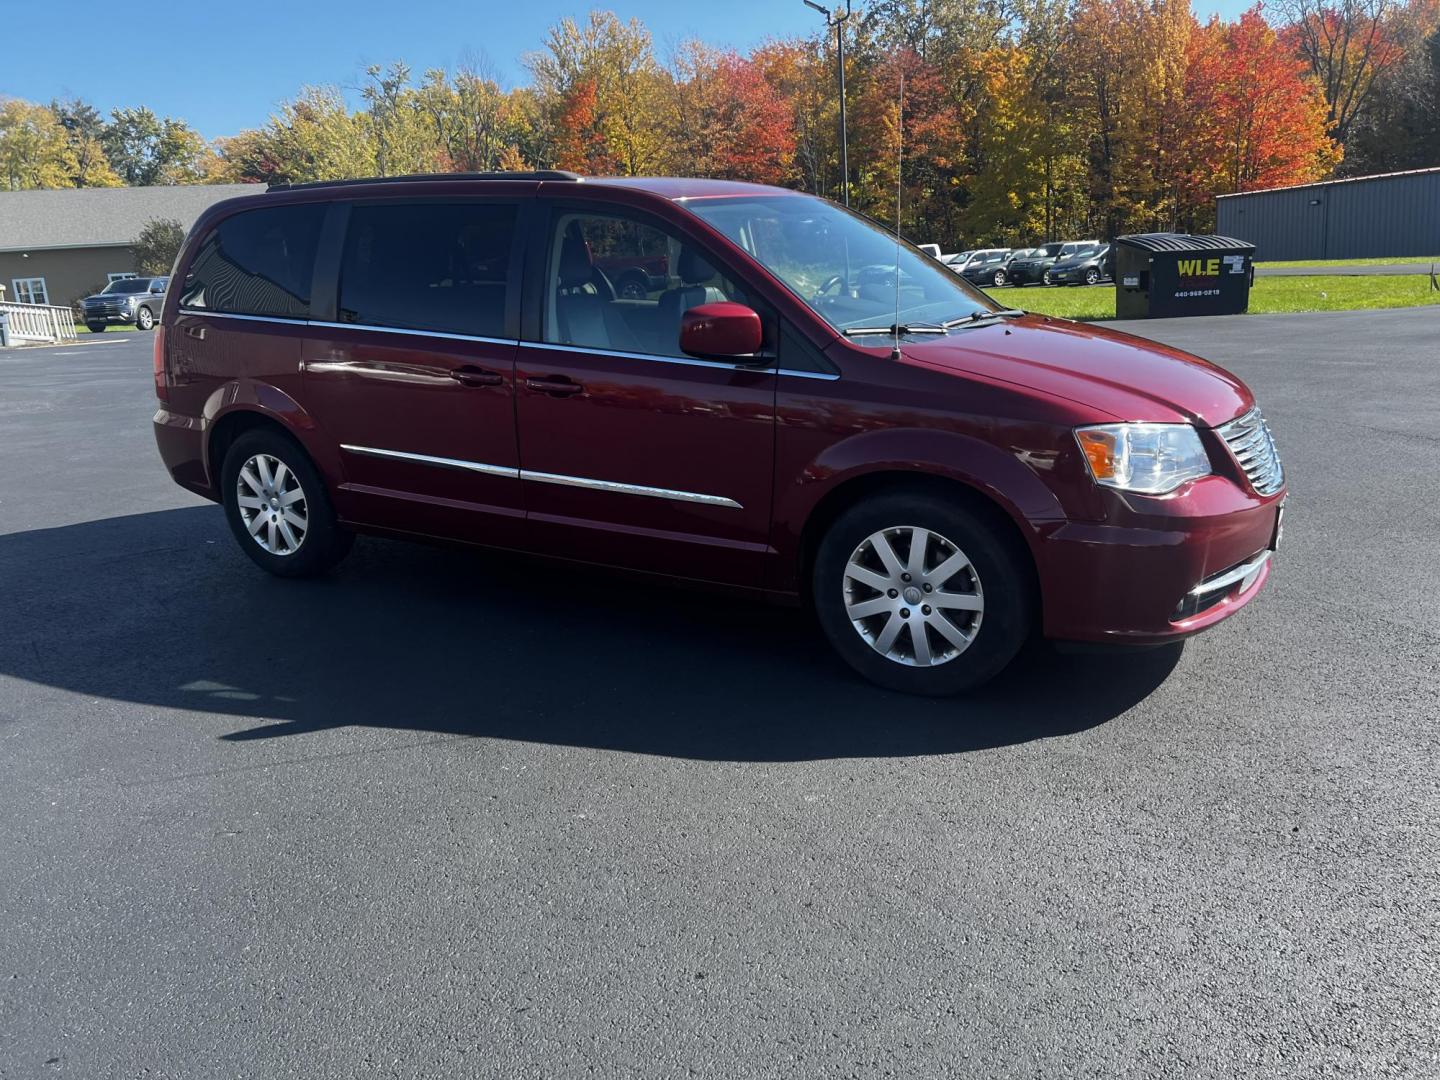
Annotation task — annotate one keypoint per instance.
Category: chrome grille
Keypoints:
(1252, 444)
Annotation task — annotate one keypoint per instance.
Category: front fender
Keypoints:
(1008, 478)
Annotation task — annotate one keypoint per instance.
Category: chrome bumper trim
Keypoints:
(1245, 572)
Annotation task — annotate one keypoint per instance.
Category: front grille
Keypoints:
(1252, 444)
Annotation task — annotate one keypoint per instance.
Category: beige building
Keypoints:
(58, 246)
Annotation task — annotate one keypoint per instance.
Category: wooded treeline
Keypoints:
(1023, 119)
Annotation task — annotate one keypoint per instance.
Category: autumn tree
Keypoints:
(34, 149)
(85, 130)
(1256, 119)
(730, 122)
(631, 92)
(1349, 46)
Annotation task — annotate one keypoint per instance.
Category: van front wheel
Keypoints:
(278, 508)
(921, 595)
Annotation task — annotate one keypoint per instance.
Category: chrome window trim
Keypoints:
(613, 486)
(446, 336)
(685, 360)
(825, 376)
(284, 319)
(442, 334)
(428, 459)
(347, 326)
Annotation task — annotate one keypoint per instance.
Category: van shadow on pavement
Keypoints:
(162, 609)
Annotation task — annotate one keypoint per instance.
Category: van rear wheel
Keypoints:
(921, 595)
(278, 507)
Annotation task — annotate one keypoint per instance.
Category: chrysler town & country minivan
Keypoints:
(788, 401)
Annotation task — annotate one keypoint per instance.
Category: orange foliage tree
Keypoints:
(1256, 119)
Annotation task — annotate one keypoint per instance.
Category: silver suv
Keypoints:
(136, 300)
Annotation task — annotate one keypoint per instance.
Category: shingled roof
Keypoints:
(101, 217)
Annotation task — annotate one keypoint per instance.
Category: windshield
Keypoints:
(842, 265)
(128, 285)
(1050, 249)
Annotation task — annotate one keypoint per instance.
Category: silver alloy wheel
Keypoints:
(1092, 276)
(144, 319)
(272, 504)
(901, 605)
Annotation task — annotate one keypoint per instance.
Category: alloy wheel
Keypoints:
(921, 608)
(1092, 277)
(999, 278)
(143, 319)
(272, 504)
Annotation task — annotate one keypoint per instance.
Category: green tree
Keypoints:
(145, 149)
(157, 245)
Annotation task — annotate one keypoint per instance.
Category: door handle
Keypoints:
(558, 385)
(473, 376)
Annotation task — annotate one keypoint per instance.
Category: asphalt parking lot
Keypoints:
(444, 814)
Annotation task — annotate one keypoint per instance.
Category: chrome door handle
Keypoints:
(473, 376)
(556, 384)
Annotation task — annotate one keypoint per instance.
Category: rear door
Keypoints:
(634, 454)
(411, 368)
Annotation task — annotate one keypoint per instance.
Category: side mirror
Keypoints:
(721, 331)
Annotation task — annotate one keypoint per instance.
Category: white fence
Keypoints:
(39, 322)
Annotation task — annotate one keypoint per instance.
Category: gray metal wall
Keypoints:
(1369, 217)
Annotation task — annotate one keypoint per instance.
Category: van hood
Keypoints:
(1124, 376)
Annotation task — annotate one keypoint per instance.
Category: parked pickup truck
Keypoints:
(135, 300)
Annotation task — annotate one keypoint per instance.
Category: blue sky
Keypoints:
(224, 67)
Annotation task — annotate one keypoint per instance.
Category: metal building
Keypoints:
(1392, 214)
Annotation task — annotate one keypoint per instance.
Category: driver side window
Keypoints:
(622, 285)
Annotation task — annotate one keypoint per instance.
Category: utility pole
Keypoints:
(838, 21)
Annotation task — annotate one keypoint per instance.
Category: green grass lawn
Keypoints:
(81, 328)
(1268, 296)
(1394, 260)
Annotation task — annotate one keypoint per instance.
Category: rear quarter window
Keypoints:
(257, 262)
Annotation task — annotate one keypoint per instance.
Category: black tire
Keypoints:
(324, 543)
(144, 319)
(1092, 277)
(96, 327)
(999, 279)
(632, 286)
(1004, 578)
(1045, 278)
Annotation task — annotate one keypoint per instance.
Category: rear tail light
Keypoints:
(162, 390)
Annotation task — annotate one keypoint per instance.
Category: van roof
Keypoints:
(667, 187)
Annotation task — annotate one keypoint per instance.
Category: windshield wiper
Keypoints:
(1010, 313)
(891, 331)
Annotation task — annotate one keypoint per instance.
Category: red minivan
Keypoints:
(791, 402)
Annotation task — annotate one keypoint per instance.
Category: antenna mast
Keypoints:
(899, 187)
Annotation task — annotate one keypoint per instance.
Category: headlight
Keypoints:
(1149, 459)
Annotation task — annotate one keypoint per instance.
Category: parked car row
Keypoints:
(1071, 262)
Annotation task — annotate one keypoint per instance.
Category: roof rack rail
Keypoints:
(536, 174)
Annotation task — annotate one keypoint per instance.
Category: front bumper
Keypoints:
(1159, 569)
(123, 315)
